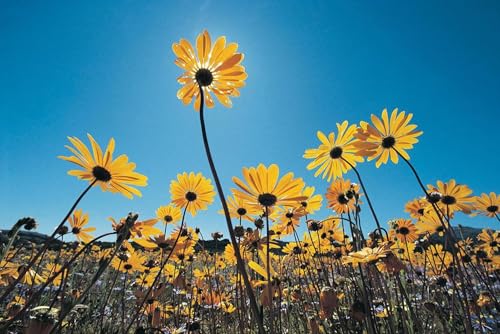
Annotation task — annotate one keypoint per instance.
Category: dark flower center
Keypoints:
(418, 249)
(403, 230)
(75, 230)
(420, 211)
(127, 266)
(289, 215)
(204, 77)
(241, 211)
(336, 152)
(492, 208)
(101, 174)
(267, 199)
(314, 225)
(343, 199)
(163, 245)
(481, 254)
(304, 204)
(168, 218)
(433, 197)
(190, 196)
(388, 142)
(448, 200)
(493, 244)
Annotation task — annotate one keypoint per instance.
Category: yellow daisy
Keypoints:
(331, 154)
(116, 176)
(452, 196)
(168, 214)
(417, 207)
(216, 68)
(264, 188)
(239, 209)
(488, 205)
(341, 196)
(193, 191)
(77, 221)
(385, 136)
(430, 224)
(313, 202)
(405, 230)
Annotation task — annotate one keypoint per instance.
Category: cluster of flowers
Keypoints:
(419, 275)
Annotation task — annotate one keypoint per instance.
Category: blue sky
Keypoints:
(106, 67)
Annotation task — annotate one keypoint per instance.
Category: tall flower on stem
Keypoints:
(117, 176)
(385, 138)
(392, 138)
(334, 156)
(264, 189)
(216, 70)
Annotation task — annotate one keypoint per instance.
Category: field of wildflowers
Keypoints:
(415, 274)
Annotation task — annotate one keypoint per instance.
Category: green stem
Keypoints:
(366, 194)
(450, 234)
(269, 278)
(239, 260)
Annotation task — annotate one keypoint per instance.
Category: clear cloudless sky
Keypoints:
(106, 68)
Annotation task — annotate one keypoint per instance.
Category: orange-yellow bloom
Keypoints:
(488, 205)
(331, 155)
(453, 197)
(217, 68)
(264, 188)
(116, 176)
(385, 136)
(342, 196)
(192, 191)
(77, 221)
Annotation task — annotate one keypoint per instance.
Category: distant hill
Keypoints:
(26, 238)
